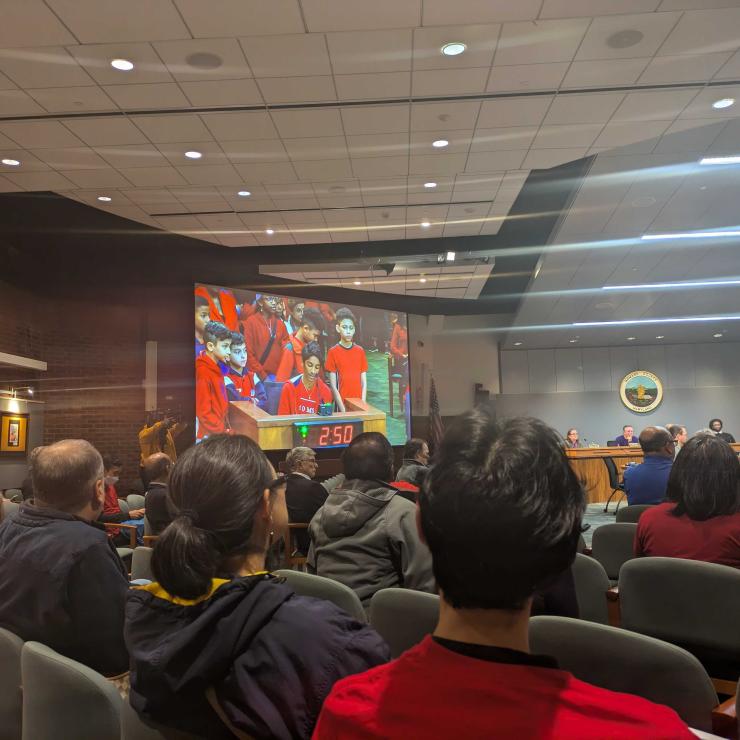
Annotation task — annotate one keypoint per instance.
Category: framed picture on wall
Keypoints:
(13, 434)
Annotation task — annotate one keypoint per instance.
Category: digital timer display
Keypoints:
(325, 434)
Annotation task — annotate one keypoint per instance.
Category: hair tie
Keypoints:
(189, 514)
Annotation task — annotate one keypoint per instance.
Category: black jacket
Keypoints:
(304, 497)
(271, 656)
(156, 507)
(63, 584)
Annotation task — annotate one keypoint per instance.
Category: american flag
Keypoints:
(436, 429)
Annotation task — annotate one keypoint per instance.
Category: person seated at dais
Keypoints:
(627, 437)
(646, 483)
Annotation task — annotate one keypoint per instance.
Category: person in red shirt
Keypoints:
(291, 363)
(501, 512)
(346, 362)
(111, 512)
(211, 401)
(265, 335)
(202, 317)
(304, 395)
(238, 380)
(399, 341)
(701, 520)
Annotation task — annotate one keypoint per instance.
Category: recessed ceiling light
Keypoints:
(425, 224)
(572, 341)
(193, 155)
(430, 184)
(660, 336)
(450, 256)
(269, 232)
(244, 193)
(517, 344)
(454, 48)
(124, 65)
(730, 159)
(11, 162)
(631, 339)
(723, 103)
(422, 280)
(717, 335)
(357, 282)
(440, 143)
(105, 198)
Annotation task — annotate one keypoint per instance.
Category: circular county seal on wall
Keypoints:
(641, 391)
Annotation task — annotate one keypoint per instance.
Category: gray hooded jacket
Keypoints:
(365, 537)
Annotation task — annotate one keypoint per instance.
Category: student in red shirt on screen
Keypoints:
(211, 401)
(265, 335)
(304, 395)
(701, 520)
(399, 341)
(346, 362)
(501, 511)
(291, 363)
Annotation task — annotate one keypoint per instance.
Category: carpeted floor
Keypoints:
(595, 516)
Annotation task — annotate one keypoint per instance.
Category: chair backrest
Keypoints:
(307, 584)
(592, 584)
(141, 564)
(135, 501)
(7, 508)
(685, 601)
(403, 617)
(11, 697)
(611, 443)
(612, 545)
(632, 513)
(13, 494)
(624, 661)
(611, 469)
(581, 544)
(147, 527)
(134, 727)
(124, 506)
(65, 699)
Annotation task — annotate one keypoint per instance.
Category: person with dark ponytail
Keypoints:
(216, 620)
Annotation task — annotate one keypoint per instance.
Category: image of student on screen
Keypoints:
(211, 401)
(399, 341)
(346, 362)
(238, 380)
(265, 335)
(293, 314)
(291, 363)
(202, 317)
(306, 393)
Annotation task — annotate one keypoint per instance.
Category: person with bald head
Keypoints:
(61, 580)
(156, 469)
(646, 483)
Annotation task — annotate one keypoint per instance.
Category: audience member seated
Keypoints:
(701, 520)
(156, 469)
(501, 511)
(27, 484)
(716, 426)
(303, 495)
(112, 509)
(627, 437)
(415, 461)
(215, 618)
(646, 483)
(61, 581)
(679, 434)
(365, 534)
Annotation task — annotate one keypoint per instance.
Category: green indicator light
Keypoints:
(304, 431)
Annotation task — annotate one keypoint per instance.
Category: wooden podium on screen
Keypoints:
(318, 432)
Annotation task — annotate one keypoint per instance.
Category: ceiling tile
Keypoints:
(215, 174)
(380, 166)
(28, 163)
(381, 86)
(661, 105)
(690, 135)
(191, 195)
(701, 105)
(97, 179)
(352, 15)
(575, 8)
(39, 134)
(567, 136)
(41, 181)
(17, 103)
(377, 145)
(105, 131)
(686, 68)
(96, 21)
(297, 89)
(331, 169)
(72, 99)
(433, 82)
(310, 202)
(96, 59)
(623, 133)
(49, 66)
(527, 77)
(325, 147)
(478, 183)
(654, 28)
(6, 143)
(6, 83)
(696, 4)
(172, 129)
(384, 192)
(540, 41)
(513, 112)
(294, 124)
(137, 97)
(444, 116)
(495, 161)
(264, 150)
(605, 73)
(586, 108)
(222, 92)
(71, 158)
(240, 125)
(502, 139)
(287, 56)
(225, 60)
(153, 176)
(540, 159)
(375, 119)
(267, 172)
(211, 151)
(132, 155)
(442, 164)
(240, 17)
(446, 13)
(704, 31)
(31, 23)
(731, 70)
(158, 196)
(358, 52)
(480, 41)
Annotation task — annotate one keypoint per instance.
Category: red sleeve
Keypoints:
(331, 364)
(363, 359)
(228, 308)
(285, 368)
(638, 545)
(287, 400)
(209, 419)
(395, 343)
(110, 504)
(252, 341)
(213, 312)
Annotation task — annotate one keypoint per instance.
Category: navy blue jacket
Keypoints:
(63, 584)
(271, 656)
(646, 483)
